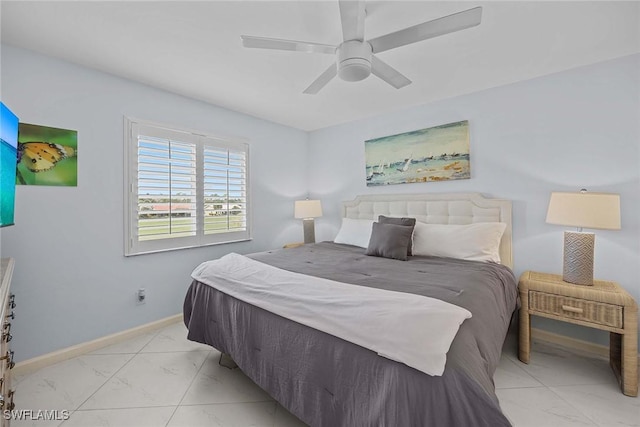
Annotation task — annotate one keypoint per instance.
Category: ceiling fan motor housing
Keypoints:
(354, 60)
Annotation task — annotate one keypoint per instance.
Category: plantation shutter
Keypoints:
(225, 190)
(166, 188)
(184, 190)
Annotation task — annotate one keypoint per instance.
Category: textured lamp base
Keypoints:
(309, 230)
(578, 258)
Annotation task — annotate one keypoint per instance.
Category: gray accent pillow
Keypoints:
(389, 241)
(407, 222)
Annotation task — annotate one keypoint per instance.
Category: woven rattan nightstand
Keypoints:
(293, 245)
(605, 305)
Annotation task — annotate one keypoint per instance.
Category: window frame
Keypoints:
(133, 128)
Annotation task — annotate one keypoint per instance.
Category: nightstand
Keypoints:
(605, 305)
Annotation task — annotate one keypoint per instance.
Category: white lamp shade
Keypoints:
(588, 210)
(308, 209)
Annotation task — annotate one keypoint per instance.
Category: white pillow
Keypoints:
(477, 242)
(356, 232)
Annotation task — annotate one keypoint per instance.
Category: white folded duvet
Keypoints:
(411, 329)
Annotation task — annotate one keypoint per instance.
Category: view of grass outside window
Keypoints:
(188, 188)
(163, 225)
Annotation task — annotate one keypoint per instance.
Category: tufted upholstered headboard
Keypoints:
(437, 208)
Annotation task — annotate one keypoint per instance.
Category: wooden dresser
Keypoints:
(7, 304)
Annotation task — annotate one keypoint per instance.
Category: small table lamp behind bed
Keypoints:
(307, 210)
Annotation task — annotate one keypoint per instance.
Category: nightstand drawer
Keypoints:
(575, 308)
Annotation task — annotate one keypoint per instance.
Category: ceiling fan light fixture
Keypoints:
(354, 60)
(354, 69)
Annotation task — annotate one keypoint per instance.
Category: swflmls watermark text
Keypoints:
(36, 414)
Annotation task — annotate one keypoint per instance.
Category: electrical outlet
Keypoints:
(141, 296)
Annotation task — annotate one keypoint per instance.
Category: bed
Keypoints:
(328, 381)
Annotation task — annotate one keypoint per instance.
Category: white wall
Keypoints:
(562, 132)
(72, 282)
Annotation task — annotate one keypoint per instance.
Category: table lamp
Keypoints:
(307, 210)
(582, 209)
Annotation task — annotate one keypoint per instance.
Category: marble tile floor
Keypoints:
(162, 379)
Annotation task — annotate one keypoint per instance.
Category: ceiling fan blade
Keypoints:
(322, 81)
(427, 30)
(387, 73)
(352, 15)
(279, 44)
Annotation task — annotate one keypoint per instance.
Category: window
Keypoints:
(183, 189)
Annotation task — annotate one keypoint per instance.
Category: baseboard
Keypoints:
(575, 344)
(572, 343)
(39, 362)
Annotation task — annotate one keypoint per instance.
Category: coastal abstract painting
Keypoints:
(439, 153)
(47, 156)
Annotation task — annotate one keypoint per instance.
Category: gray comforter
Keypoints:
(326, 381)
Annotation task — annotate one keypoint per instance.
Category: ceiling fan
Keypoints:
(355, 56)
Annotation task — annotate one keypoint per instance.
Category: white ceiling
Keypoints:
(194, 48)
